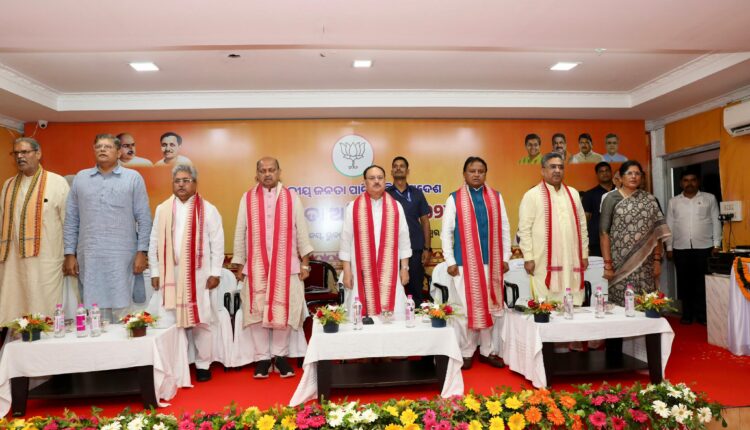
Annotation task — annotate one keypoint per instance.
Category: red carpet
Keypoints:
(704, 367)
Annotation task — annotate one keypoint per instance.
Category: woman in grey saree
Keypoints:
(632, 229)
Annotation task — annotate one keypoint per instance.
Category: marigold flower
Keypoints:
(513, 403)
(533, 415)
(475, 425)
(567, 401)
(408, 417)
(266, 422)
(472, 403)
(516, 422)
(391, 410)
(289, 423)
(496, 423)
(412, 427)
(555, 416)
(393, 427)
(494, 407)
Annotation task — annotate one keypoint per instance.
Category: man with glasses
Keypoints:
(272, 254)
(32, 210)
(533, 143)
(476, 247)
(106, 230)
(171, 143)
(553, 235)
(186, 253)
(375, 249)
(127, 152)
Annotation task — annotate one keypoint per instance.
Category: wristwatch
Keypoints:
(305, 268)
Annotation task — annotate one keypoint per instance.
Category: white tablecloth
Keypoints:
(165, 349)
(738, 318)
(380, 340)
(523, 338)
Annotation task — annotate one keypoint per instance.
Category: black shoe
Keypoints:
(686, 320)
(492, 360)
(285, 370)
(203, 375)
(467, 363)
(261, 369)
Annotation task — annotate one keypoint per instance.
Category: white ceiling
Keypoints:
(66, 60)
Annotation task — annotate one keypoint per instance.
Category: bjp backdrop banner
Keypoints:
(323, 160)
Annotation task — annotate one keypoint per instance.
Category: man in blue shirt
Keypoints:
(592, 200)
(417, 213)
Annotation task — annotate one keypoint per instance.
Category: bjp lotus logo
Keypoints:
(352, 154)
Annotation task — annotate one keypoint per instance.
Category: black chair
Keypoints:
(319, 289)
(512, 297)
(586, 294)
(443, 291)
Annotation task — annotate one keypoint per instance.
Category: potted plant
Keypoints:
(330, 316)
(31, 326)
(653, 304)
(540, 309)
(137, 323)
(439, 314)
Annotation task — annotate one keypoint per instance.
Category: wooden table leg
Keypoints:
(146, 382)
(324, 379)
(548, 357)
(441, 369)
(653, 354)
(19, 393)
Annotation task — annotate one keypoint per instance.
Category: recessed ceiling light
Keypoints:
(564, 66)
(144, 67)
(233, 55)
(362, 64)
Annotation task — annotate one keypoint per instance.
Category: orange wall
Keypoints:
(694, 131)
(225, 153)
(7, 166)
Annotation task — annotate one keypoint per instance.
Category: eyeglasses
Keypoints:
(183, 181)
(636, 174)
(99, 146)
(21, 153)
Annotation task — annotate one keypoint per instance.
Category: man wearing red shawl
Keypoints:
(476, 248)
(186, 253)
(375, 249)
(272, 250)
(552, 234)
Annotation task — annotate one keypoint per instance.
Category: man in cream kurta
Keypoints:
(555, 211)
(395, 268)
(455, 241)
(180, 215)
(271, 321)
(31, 281)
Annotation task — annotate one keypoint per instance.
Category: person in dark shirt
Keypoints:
(417, 213)
(592, 204)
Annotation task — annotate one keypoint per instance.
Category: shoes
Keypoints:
(261, 369)
(467, 363)
(492, 360)
(285, 370)
(203, 375)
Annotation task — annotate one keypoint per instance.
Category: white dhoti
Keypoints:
(489, 340)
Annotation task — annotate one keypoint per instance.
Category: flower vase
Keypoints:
(30, 336)
(330, 327)
(541, 318)
(438, 323)
(650, 313)
(138, 332)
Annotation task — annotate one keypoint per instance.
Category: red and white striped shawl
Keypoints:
(553, 265)
(376, 271)
(264, 274)
(475, 283)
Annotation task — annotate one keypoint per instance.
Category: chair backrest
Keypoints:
(510, 299)
(322, 277)
(586, 294)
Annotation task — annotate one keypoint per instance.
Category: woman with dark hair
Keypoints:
(631, 231)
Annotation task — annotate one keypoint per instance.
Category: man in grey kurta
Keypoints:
(107, 227)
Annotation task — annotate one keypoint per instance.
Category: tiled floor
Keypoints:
(737, 418)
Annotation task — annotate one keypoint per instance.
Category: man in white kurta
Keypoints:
(394, 271)
(552, 234)
(31, 253)
(189, 227)
(273, 264)
(491, 227)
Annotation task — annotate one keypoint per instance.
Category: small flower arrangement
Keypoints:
(138, 320)
(540, 307)
(31, 322)
(331, 314)
(656, 302)
(442, 311)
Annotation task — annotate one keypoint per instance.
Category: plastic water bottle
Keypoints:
(629, 301)
(411, 317)
(568, 304)
(81, 321)
(96, 321)
(599, 303)
(59, 321)
(357, 311)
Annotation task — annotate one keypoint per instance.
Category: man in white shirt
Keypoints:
(376, 267)
(476, 246)
(693, 218)
(186, 253)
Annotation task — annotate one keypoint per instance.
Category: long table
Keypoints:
(631, 343)
(323, 371)
(154, 366)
